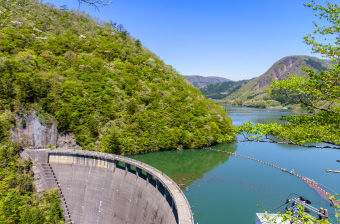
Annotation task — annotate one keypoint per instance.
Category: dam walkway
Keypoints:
(52, 184)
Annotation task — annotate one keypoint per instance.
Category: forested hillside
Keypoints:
(252, 93)
(18, 201)
(99, 83)
(199, 81)
(222, 89)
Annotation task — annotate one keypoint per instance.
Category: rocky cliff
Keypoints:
(30, 130)
(33, 129)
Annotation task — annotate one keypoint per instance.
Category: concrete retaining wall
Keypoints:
(105, 188)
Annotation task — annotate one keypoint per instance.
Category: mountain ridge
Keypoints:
(222, 89)
(199, 81)
(251, 94)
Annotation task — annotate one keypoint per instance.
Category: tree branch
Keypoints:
(325, 92)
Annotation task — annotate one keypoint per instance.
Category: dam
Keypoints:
(104, 188)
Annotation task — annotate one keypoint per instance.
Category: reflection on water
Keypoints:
(255, 110)
(186, 166)
(227, 189)
(239, 117)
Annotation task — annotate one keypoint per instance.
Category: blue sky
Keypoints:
(227, 38)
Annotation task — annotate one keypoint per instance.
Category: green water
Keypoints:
(223, 188)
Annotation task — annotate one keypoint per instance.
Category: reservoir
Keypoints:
(223, 188)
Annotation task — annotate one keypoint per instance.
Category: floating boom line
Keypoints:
(310, 182)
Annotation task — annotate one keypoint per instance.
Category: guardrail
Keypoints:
(37, 147)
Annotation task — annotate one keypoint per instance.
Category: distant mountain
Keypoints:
(199, 81)
(222, 89)
(251, 94)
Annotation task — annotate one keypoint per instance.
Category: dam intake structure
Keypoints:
(105, 188)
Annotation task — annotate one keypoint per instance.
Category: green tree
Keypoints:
(138, 43)
(18, 202)
(320, 92)
(111, 143)
(99, 83)
(96, 3)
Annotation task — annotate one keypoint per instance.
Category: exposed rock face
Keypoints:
(29, 131)
(67, 141)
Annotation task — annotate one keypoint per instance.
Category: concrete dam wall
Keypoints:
(105, 188)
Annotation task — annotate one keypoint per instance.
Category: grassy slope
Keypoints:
(100, 83)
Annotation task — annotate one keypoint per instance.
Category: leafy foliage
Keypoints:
(318, 91)
(18, 202)
(330, 12)
(5, 121)
(96, 3)
(100, 83)
(298, 217)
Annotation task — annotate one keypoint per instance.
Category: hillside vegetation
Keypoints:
(199, 81)
(18, 201)
(99, 83)
(222, 89)
(252, 94)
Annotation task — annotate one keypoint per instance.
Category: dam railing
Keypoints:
(179, 204)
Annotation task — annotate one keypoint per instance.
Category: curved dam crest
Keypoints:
(105, 188)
